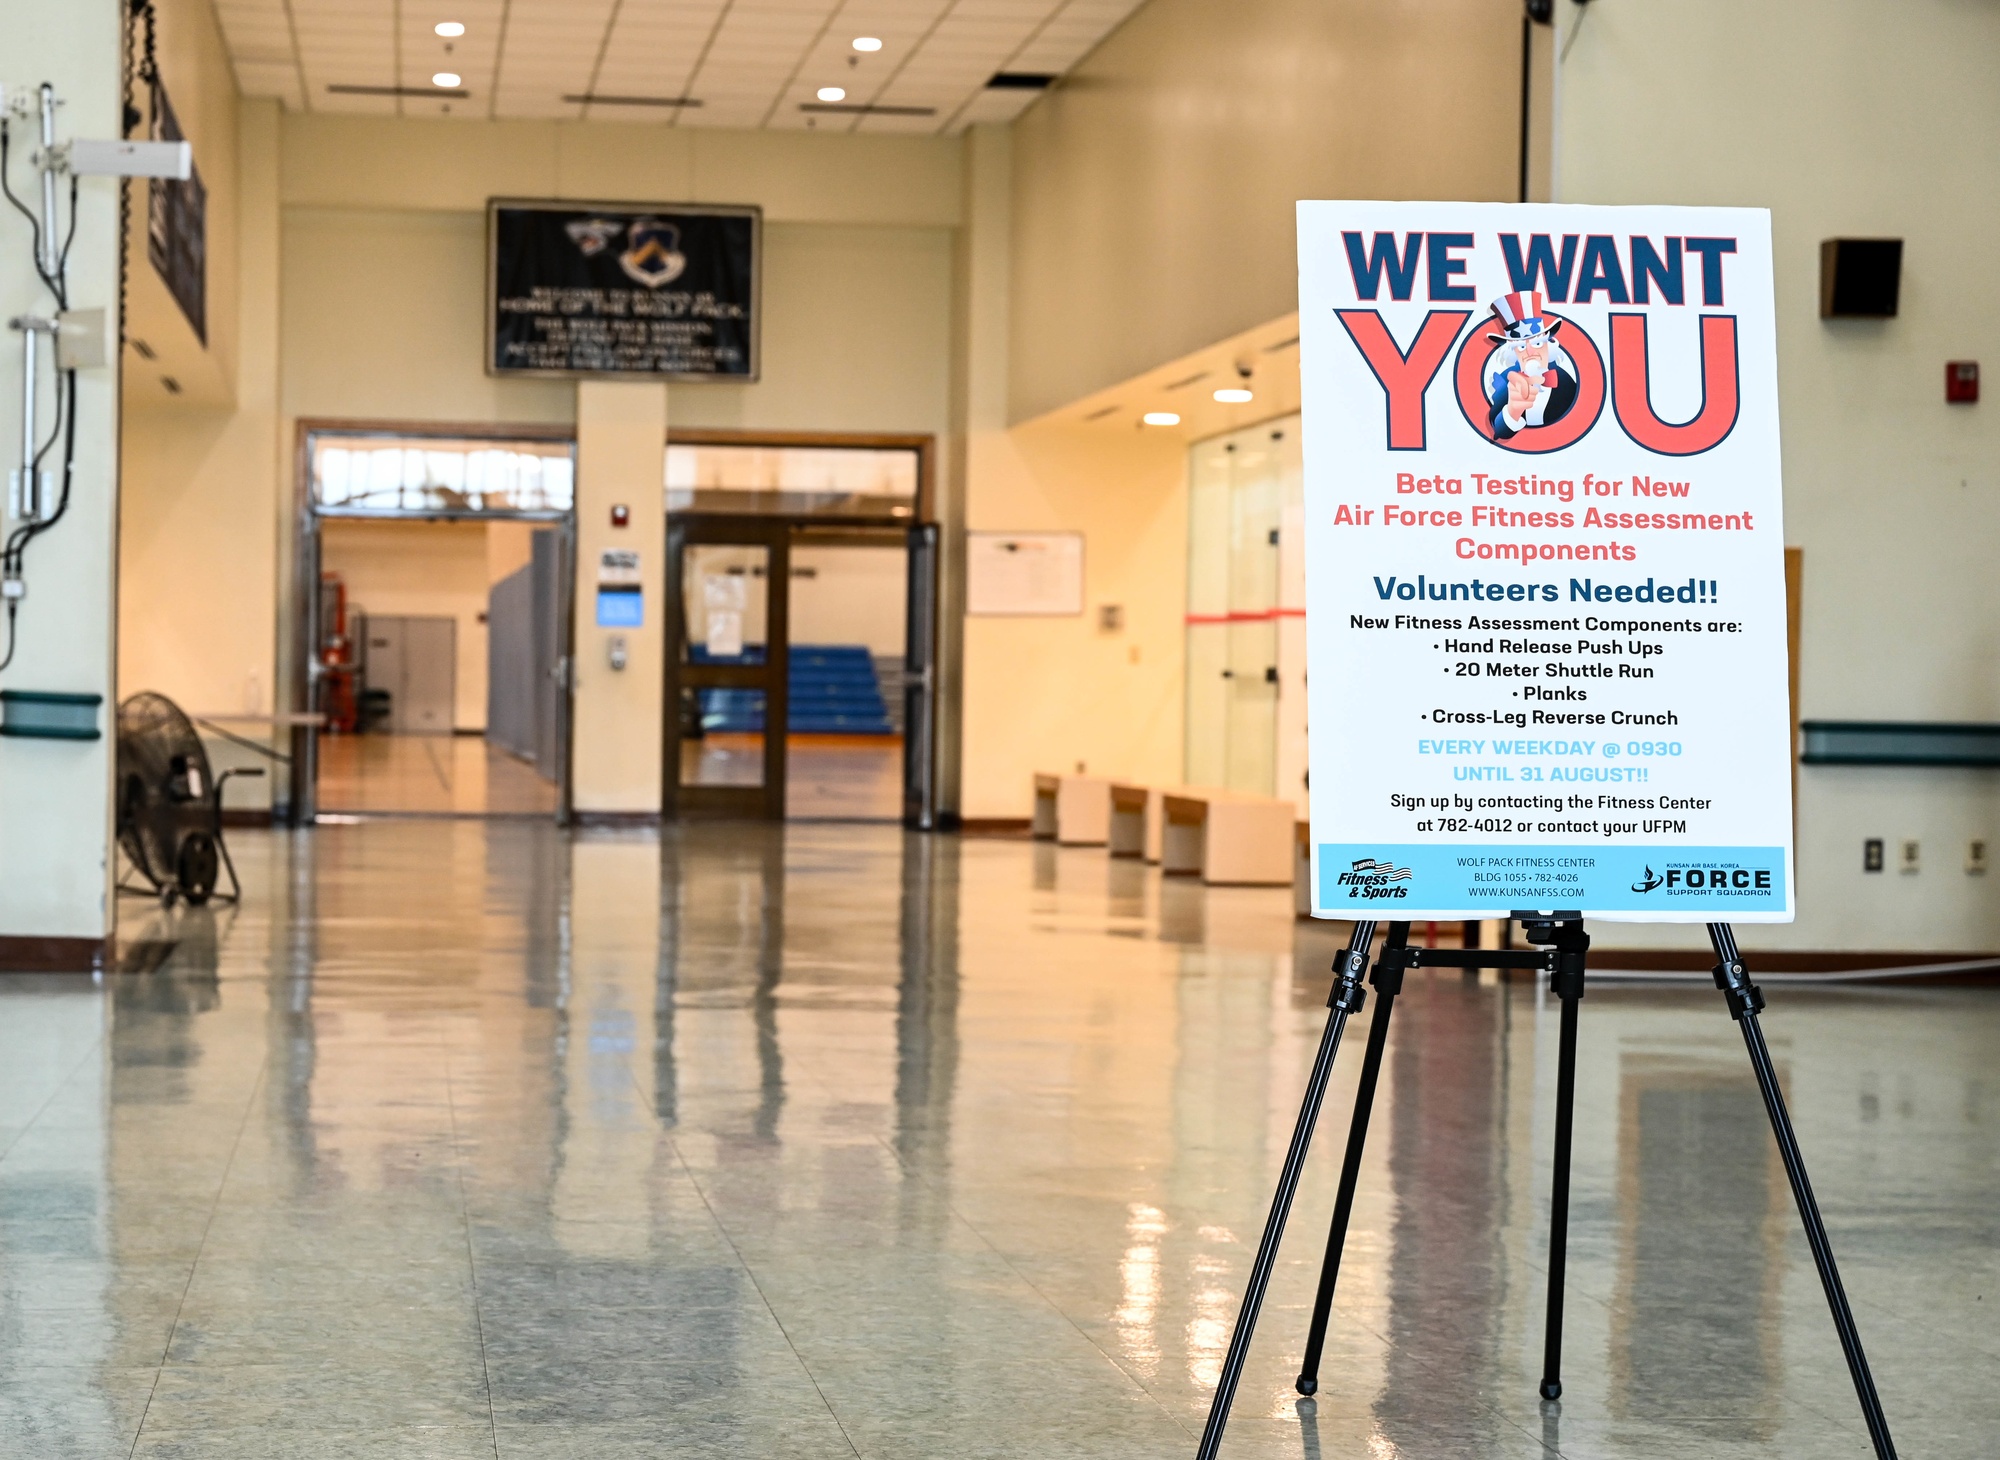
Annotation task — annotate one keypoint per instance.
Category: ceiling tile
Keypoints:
(751, 62)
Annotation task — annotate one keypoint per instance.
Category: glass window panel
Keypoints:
(722, 736)
(724, 593)
(832, 481)
(361, 475)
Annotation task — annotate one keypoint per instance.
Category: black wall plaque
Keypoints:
(177, 226)
(666, 293)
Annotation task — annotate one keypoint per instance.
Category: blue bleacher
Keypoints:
(832, 688)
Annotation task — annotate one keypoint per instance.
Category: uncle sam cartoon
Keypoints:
(1530, 379)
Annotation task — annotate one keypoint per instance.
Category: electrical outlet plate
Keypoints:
(1975, 857)
(1912, 859)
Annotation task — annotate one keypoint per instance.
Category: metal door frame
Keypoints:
(304, 678)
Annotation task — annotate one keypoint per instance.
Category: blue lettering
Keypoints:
(1601, 270)
(1711, 251)
(1647, 269)
(1541, 261)
(1443, 266)
(1368, 267)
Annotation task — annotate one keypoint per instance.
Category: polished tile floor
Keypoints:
(827, 777)
(470, 1139)
(462, 775)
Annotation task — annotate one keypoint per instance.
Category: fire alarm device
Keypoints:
(1961, 382)
(621, 515)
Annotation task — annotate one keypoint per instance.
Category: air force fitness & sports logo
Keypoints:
(1369, 879)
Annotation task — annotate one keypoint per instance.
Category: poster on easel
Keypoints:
(1545, 562)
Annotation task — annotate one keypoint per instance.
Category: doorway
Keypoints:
(434, 581)
(801, 594)
(1246, 703)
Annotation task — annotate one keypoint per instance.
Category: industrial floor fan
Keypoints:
(170, 804)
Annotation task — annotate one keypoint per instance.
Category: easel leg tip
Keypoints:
(1551, 1389)
(1306, 1385)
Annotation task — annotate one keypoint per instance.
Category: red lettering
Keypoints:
(1632, 399)
(1404, 377)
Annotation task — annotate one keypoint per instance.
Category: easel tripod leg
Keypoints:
(1745, 1001)
(1344, 1000)
(1387, 982)
(1552, 1334)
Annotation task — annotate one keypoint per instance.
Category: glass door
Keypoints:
(1246, 615)
(727, 665)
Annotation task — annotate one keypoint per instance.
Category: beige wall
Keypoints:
(1154, 186)
(455, 166)
(850, 595)
(1890, 492)
(1043, 694)
(427, 569)
(381, 320)
(390, 327)
(618, 714)
(199, 82)
(202, 498)
(202, 503)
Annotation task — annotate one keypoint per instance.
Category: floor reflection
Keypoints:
(812, 1141)
(1447, 1284)
(1703, 1218)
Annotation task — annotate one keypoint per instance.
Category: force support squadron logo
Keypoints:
(653, 254)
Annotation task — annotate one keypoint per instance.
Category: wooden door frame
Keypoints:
(765, 801)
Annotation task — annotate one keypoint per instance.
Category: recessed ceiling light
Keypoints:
(450, 29)
(1161, 418)
(832, 93)
(1234, 397)
(867, 43)
(445, 78)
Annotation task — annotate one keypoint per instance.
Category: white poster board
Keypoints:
(1023, 573)
(1545, 562)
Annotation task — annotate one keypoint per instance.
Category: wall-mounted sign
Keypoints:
(663, 293)
(1544, 562)
(1024, 574)
(177, 226)
(618, 565)
(621, 601)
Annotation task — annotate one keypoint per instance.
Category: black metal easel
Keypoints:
(1561, 951)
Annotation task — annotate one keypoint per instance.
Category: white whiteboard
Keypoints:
(1023, 573)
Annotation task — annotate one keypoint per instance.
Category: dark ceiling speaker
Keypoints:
(1860, 278)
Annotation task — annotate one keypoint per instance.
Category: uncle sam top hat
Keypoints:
(1523, 316)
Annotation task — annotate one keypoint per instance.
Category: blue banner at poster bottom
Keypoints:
(1678, 884)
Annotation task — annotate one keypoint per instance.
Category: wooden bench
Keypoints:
(1132, 811)
(1227, 838)
(1043, 825)
(1074, 811)
(1302, 871)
